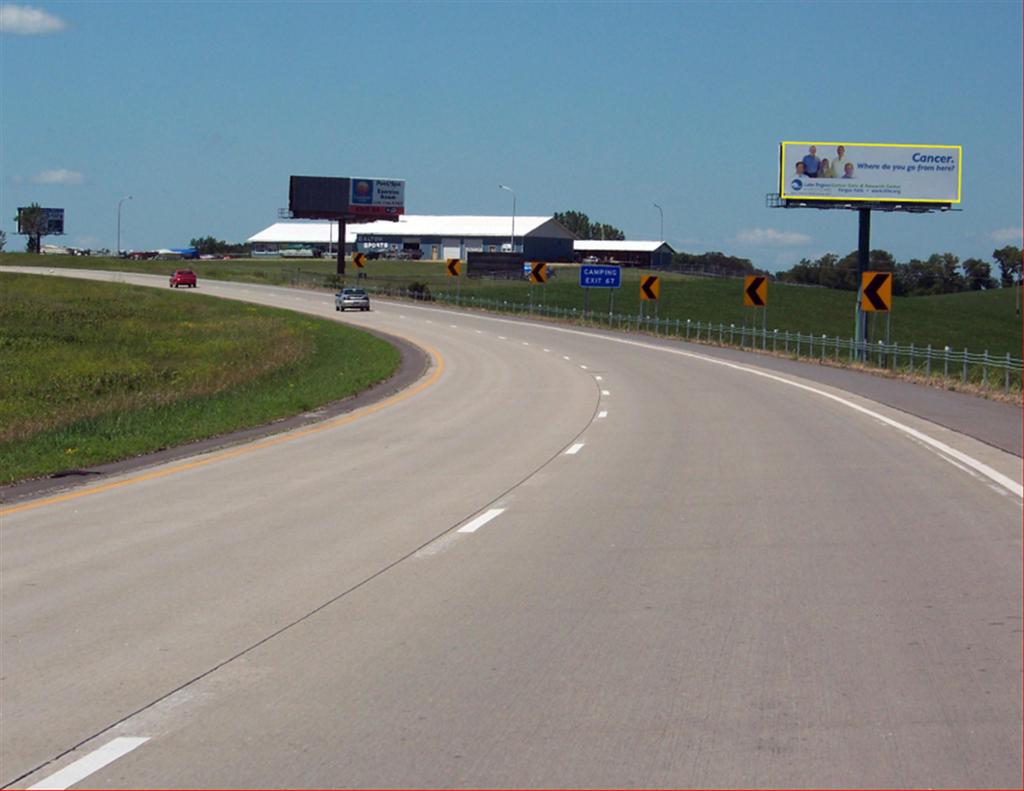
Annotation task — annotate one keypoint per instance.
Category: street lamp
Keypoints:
(513, 239)
(126, 197)
(662, 213)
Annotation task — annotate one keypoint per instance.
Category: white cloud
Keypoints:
(26, 21)
(1007, 236)
(58, 176)
(772, 238)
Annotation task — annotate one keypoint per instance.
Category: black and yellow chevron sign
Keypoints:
(650, 287)
(359, 259)
(538, 273)
(876, 292)
(454, 266)
(755, 291)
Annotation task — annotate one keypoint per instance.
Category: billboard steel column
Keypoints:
(863, 262)
(340, 269)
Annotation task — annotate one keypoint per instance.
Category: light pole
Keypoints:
(662, 213)
(126, 197)
(513, 239)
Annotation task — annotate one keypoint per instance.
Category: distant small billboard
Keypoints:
(52, 222)
(869, 172)
(353, 199)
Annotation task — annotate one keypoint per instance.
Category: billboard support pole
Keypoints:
(340, 268)
(863, 256)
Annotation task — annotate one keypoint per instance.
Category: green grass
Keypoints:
(94, 372)
(980, 321)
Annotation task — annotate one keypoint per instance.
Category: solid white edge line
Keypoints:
(935, 445)
(574, 449)
(480, 521)
(93, 762)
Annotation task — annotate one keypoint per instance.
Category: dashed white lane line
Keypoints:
(598, 378)
(502, 338)
(606, 392)
(547, 350)
(480, 521)
(602, 414)
(583, 367)
(526, 343)
(564, 357)
(574, 449)
(93, 762)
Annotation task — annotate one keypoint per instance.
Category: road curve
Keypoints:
(560, 560)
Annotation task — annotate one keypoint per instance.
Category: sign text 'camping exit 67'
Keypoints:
(600, 276)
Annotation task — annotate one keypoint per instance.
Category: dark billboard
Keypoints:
(52, 222)
(318, 197)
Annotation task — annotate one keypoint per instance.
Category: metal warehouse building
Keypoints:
(435, 237)
(651, 255)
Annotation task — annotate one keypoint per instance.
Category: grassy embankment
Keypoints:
(979, 320)
(94, 372)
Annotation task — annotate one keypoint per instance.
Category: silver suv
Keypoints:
(351, 298)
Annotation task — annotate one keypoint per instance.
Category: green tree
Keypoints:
(580, 224)
(978, 274)
(1009, 260)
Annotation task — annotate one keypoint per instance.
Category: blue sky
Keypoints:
(201, 111)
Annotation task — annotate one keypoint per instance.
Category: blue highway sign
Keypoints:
(600, 276)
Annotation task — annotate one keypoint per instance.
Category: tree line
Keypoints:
(580, 224)
(208, 245)
(940, 273)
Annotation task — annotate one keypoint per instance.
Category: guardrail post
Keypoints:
(823, 339)
(1006, 383)
(928, 362)
(984, 370)
(798, 344)
(964, 378)
(945, 366)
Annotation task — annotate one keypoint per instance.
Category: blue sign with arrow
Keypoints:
(600, 276)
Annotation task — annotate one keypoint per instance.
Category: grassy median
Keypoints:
(95, 372)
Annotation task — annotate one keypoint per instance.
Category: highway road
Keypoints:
(559, 559)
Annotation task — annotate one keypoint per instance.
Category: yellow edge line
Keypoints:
(436, 358)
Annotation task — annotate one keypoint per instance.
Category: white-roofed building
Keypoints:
(653, 255)
(319, 235)
(435, 237)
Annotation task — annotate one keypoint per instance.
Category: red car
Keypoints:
(183, 277)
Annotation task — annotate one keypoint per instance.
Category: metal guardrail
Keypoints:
(989, 371)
